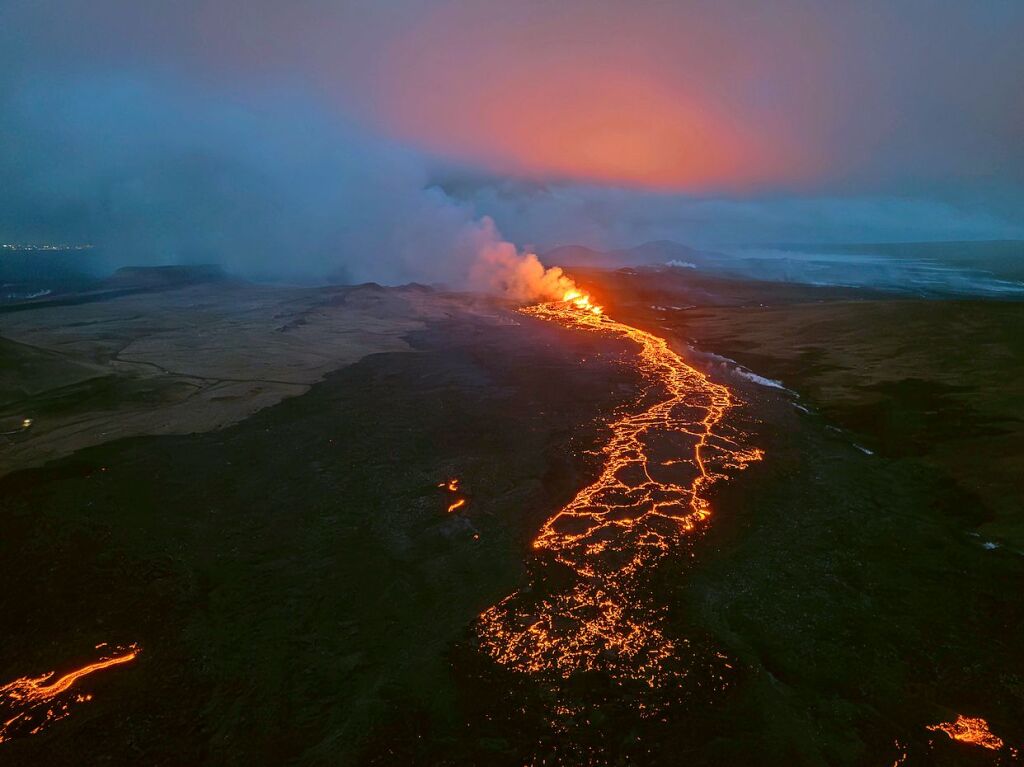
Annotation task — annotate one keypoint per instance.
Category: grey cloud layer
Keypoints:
(242, 133)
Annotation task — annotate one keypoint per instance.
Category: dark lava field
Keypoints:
(299, 592)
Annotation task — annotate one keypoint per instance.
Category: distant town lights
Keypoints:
(18, 246)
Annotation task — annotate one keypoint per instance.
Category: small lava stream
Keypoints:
(664, 453)
(28, 704)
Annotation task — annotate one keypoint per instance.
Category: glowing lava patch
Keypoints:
(29, 704)
(661, 459)
(451, 487)
(972, 730)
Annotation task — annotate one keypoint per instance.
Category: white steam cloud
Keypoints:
(499, 267)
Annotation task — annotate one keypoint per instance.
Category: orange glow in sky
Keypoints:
(604, 96)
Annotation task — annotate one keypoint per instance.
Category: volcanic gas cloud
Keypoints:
(503, 269)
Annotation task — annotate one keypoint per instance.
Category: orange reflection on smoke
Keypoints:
(609, 93)
(970, 729)
(28, 704)
(652, 492)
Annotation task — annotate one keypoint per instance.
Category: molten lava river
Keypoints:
(28, 704)
(665, 450)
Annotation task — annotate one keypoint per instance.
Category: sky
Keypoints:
(393, 140)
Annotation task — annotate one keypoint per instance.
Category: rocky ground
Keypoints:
(244, 481)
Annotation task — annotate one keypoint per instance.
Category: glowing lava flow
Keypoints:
(35, 704)
(452, 486)
(968, 729)
(651, 493)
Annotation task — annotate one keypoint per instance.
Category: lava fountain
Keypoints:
(663, 455)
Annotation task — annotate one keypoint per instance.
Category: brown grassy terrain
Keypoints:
(941, 382)
(186, 360)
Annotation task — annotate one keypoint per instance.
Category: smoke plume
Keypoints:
(501, 268)
(267, 188)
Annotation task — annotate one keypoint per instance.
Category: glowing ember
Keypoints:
(968, 729)
(902, 758)
(29, 704)
(651, 493)
(452, 487)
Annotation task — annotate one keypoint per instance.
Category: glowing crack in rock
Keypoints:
(452, 487)
(29, 704)
(969, 729)
(662, 457)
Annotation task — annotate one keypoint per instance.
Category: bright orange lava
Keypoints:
(35, 704)
(970, 729)
(452, 486)
(652, 492)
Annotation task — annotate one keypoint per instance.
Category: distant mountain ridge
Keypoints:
(654, 252)
(993, 269)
